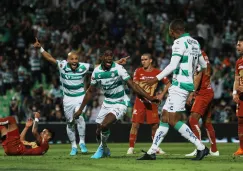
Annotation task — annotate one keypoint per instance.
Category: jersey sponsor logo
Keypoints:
(157, 138)
(71, 77)
(190, 41)
(191, 134)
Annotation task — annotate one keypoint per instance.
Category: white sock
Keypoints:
(71, 135)
(104, 137)
(187, 133)
(4, 123)
(158, 137)
(81, 129)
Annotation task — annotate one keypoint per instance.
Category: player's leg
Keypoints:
(138, 117)
(69, 109)
(177, 100)
(133, 137)
(8, 124)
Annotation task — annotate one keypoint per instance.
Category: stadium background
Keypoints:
(131, 27)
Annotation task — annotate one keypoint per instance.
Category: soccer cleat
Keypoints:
(238, 152)
(160, 151)
(194, 153)
(107, 152)
(83, 148)
(201, 154)
(147, 156)
(74, 151)
(98, 154)
(213, 153)
(130, 150)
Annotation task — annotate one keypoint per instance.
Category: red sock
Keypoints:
(132, 140)
(211, 136)
(195, 127)
(240, 131)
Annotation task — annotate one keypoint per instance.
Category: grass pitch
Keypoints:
(57, 158)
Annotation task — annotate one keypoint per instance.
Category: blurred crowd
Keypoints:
(130, 27)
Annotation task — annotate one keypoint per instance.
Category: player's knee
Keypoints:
(195, 116)
(154, 126)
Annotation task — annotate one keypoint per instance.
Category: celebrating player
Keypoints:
(237, 93)
(202, 105)
(142, 107)
(14, 144)
(72, 74)
(186, 55)
(111, 78)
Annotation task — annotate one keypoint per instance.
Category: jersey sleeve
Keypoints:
(123, 73)
(60, 64)
(178, 49)
(236, 68)
(136, 75)
(93, 79)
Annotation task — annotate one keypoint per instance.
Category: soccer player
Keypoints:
(202, 104)
(72, 74)
(143, 108)
(186, 55)
(13, 143)
(111, 77)
(237, 93)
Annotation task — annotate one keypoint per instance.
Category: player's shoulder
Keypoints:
(140, 69)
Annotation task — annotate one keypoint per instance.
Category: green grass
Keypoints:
(57, 158)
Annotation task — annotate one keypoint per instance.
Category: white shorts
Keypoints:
(118, 110)
(71, 105)
(176, 99)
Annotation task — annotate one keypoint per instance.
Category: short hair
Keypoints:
(148, 55)
(177, 25)
(52, 133)
(200, 41)
(240, 38)
(104, 50)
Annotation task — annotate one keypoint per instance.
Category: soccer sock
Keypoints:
(71, 135)
(211, 136)
(132, 140)
(7, 120)
(104, 137)
(240, 131)
(81, 129)
(195, 127)
(159, 136)
(186, 132)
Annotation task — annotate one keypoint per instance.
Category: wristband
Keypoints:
(42, 50)
(36, 120)
(234, 92)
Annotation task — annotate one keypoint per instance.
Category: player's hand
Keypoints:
(77, 114)
(37, 115)
(29, 123)
(160, 96)
(123, 61)
(236, 98)
(189, 99)
(155, 99)
(151, 82)
(37, 43)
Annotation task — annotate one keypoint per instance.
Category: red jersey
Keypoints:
(205, 81)
(239, 70)
(40, 149)
(141, 75)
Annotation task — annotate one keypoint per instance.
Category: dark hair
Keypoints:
(240, 38)
(148, 55)
(104, 50)
(52, 133)
(177, 25)
(200, 41)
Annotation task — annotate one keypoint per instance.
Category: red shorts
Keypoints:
(12, 144)
(141, 109)
(239, 109)
(202, 103)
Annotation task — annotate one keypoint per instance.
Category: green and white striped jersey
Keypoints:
(112, 83)
(72, 81)
(188, 49)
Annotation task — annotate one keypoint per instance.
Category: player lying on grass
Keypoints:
(15, 144)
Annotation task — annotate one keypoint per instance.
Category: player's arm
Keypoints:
(88, 96)
(35, 127)
(202, 62)
(165, 90)
(236, 88)
(140, 92)
(28, 124)
(45, 54)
